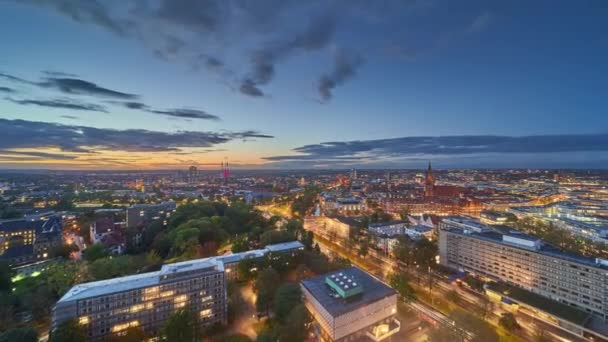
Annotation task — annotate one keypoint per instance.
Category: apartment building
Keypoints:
(525, 262)
(110, 307)
(141, 213)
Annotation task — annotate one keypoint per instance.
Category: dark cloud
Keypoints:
(82, 87)
(133, 105)
(417, 147)
(7, 90)
(71, 117)
(272, 30)
(15, 79)
(31, 134)
(58, 74)
(248, 87)
(61, 103)
(345, 67)
(87, 11)
(187, 114)
(73, 86)
(182, 113)
(192, 15)
(28, 155)
(315, 36)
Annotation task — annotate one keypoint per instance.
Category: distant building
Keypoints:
(28, 240)
(351, 305)
(391, 228)
(109, 234)
(419, 232)
(336, 227)
(493, 217)
(142, 213)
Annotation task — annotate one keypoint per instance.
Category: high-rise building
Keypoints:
(192, 174)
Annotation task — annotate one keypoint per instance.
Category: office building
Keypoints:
(526, 262)
(110, 307)
(351, 305)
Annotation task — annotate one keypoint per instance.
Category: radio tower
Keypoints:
(225, 170)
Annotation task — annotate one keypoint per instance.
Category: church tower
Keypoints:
(429, 183)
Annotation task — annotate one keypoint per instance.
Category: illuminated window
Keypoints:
(121, 327)
(83, 320)
(180, 299)
(136, 308)
(206, 313)
(166, 294)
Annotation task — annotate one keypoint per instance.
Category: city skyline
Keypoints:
(280, 84)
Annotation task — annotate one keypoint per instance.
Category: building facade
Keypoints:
(526, 262)
(141, 213)
(351, 305)
(110, 307)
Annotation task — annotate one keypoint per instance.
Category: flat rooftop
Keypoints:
(552, 307)
(142, 280)
(545, 249)
(372, 290)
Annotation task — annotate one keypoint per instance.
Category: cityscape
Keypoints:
(287, 171)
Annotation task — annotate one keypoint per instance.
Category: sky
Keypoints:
(165, 84)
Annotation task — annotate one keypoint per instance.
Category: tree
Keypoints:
(473, 325)
(286, 298)
(541, 335)
(473, 282)
(94, 252)
(61, 276)
(404, 251)
(400, 282)
(64, 250)
(508, 321)
(308, 240)
(266, 284)
(25, 334)
(364, 248)
(275, 236)
(295, 328)
(317, 248)
(425, 252)
(236, 338)
(181, 326)
(68, 331)
(453, 296)
(6, 273)
(240, 245)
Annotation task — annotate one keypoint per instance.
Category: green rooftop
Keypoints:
(547, 305)
(344, 284)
